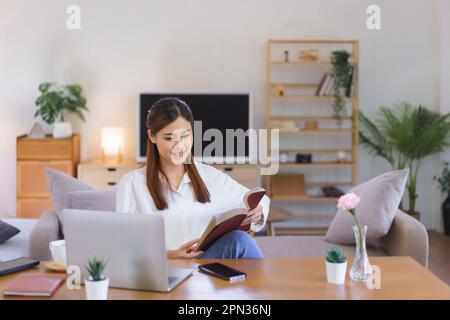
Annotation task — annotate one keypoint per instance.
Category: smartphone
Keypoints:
(222, 271)
(7, 267)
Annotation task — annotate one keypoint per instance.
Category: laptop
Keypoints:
(133, 244)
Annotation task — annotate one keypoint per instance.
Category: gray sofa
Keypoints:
(406, 237)
(17, 246)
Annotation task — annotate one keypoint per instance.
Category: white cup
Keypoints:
(58, 251)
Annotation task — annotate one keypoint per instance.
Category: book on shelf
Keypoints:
(351, 83)
(324, 77)
(324, 86)
(230, 220)
(330, 88)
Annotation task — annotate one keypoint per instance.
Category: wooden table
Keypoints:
(401, 278)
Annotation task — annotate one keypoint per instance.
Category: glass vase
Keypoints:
(361, 269)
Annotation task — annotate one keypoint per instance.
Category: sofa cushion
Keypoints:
(70, 193)
(100, 200)
(17, 247)
(7, 231)
(292, 247)
(60, 184)
(380, 198)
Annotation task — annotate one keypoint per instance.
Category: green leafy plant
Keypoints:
(341, 72)
(335, 255)
(404, 135)
(95, 269)
(444, 179)
(56, 99)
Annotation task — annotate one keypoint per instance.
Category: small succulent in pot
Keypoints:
(336, 266)
(96, 284)
(335, 255)
(95, 268)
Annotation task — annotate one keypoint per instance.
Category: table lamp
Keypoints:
(112, 144)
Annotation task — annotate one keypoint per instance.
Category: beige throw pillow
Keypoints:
(380, 198)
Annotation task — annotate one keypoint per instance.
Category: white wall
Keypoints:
(125, 47)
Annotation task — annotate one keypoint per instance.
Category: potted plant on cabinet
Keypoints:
(96, 284)
(444, 186)
(57, 99)
(336, 266)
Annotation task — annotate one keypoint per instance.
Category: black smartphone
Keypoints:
(222, 271)
(7, 267)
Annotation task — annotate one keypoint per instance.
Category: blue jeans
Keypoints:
(235, 244)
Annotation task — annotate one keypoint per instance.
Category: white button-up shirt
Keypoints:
(185, 219)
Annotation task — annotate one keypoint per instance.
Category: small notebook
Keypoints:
(34, 284)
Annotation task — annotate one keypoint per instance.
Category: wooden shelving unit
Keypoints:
(316, 164)
(300, 93)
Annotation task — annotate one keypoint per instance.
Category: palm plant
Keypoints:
(404, 136)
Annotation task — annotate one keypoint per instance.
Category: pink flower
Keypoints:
(348, 201)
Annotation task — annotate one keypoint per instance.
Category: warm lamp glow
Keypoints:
(112, 143)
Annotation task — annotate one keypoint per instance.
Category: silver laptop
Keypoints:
(133, 244)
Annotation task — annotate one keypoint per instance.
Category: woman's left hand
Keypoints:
(254, 216)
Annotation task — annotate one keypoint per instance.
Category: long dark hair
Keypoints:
(162, 113)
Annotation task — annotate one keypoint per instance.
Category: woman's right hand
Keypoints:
(186, 251)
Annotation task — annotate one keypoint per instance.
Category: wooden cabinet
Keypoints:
(33, 156)
(101, 175)
(245, 174)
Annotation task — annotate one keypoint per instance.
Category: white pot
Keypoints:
(336, 272)
(62, 130)
(96, 290)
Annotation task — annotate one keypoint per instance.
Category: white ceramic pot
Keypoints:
(96, 290)
(62, 130)
(336, 272)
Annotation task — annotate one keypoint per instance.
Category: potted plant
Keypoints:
(341, 72)
(336, 266)
(404, 136)
(57, 99)
(444, 186)
(96, 284)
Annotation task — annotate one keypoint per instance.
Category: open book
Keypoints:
(230, 220)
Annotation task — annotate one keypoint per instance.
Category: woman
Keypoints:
(186, 193)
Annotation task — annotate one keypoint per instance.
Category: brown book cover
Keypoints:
(225, 222)
(34, 284)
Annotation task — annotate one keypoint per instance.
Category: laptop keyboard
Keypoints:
(172, 279)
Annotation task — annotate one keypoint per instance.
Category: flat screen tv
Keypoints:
(221, 111)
